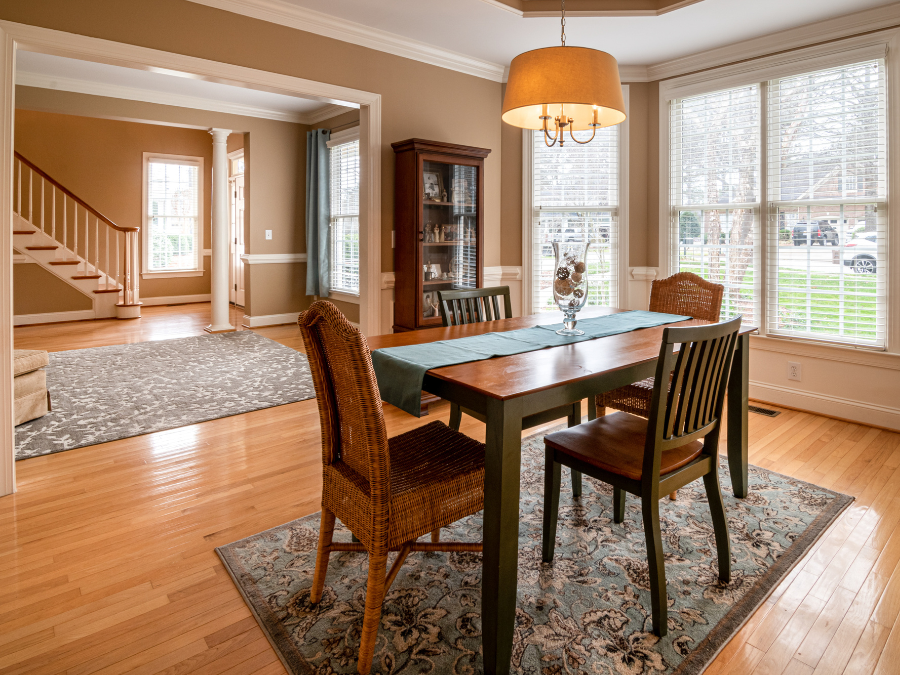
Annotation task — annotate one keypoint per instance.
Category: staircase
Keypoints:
(66, 236)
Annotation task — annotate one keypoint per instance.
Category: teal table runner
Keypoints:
(401, 370)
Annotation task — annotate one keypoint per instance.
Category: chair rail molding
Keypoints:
(15, 36)
(310, 21)
(272, 258)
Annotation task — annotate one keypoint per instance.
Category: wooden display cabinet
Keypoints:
(438, 226)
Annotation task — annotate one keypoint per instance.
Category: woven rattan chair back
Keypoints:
(350, 411)
(691, 407)
(687, 294)
(474, 305)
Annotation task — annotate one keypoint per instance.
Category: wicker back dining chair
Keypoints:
(387, 491)
(474, 305)
(652, 457)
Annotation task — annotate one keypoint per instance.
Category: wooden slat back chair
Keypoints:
(387, 491)
(474, 305)
(482, 304)
(653, 457)
(683, 293)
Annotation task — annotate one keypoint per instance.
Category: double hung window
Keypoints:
(173, 198)
(344, 230)
(778, 192)
(575, 196)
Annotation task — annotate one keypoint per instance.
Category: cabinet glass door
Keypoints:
(450, 231)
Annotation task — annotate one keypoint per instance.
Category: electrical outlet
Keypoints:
(795, 372)
(268, 234)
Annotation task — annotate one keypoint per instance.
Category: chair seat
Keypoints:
(615, 443)
(437, 478)
(29, 360)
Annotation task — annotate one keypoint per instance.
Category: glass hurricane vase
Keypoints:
(570, 281)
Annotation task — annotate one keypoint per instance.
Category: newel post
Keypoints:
(130, 307)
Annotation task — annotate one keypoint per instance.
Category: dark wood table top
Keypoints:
(507, 377)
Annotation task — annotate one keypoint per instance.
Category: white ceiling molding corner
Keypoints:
(310, 21)
(42, 81)
(633, 73)
(879, 18)
(323, 114)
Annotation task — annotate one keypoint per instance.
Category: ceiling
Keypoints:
(86, 77)
(487, 30)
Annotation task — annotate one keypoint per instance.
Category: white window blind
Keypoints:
(827, 211)
(173, 215)
(575, 196)
(715, 193)
(345, 217)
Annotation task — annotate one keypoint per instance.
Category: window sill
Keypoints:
(344, 297)
(173, 274)
(828, 352)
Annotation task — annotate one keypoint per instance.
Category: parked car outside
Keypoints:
(816, 232)
(862, 254)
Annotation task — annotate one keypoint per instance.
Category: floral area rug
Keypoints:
(588, 612)
(106, 393)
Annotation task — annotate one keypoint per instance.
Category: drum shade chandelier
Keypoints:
(576, 87)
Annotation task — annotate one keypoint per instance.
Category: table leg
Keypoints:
(738, 400)
(501, 532)
(574, 421)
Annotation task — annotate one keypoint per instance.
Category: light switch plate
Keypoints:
(795, 372)
(268, 234)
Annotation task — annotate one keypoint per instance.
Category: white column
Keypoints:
(220, 233)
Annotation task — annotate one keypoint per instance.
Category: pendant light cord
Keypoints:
(563, 23)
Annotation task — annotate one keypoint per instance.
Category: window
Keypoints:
(826, 174)
(173, 206)
(778, 191)
(344, 213)
(575, 196)
(714, 185)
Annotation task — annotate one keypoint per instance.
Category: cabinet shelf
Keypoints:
(448, 243)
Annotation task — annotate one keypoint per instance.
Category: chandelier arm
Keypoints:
(547, 135)
(593, 133)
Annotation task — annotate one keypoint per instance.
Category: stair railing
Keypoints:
(95, 246)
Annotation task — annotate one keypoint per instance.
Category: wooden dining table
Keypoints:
(512, 393)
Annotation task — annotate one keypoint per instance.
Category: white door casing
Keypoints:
(236, 191)
(14, 36)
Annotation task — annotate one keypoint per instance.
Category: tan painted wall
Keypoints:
(418, 100)
(274, 156)
(101, 161)
(37, 291)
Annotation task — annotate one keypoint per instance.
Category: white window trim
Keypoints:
(336, 139)
(886, 45)
(146, 273)
(528, 216)
(343, 136)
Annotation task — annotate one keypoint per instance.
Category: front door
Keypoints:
(237, 233)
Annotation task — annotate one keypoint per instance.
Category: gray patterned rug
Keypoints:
(107, 393)
(586, 613)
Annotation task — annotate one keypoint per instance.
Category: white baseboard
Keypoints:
(53, 317)
(270, 319)
(849, 409)
(174, 299)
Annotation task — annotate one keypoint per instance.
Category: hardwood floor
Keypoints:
(107, 561)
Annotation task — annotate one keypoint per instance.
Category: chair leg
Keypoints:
(574, 421)
(655, 560)
(720, 523)
(436, 536)
(455, 416)
(326, 534)
(618, 505)
(674, 495)
(552, 480)
(372, 616)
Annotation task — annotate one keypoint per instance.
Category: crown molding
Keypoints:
(633, 73)
(520, 8)
(323, 114)
(290, 15)
(42, 81)
(880, 18)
